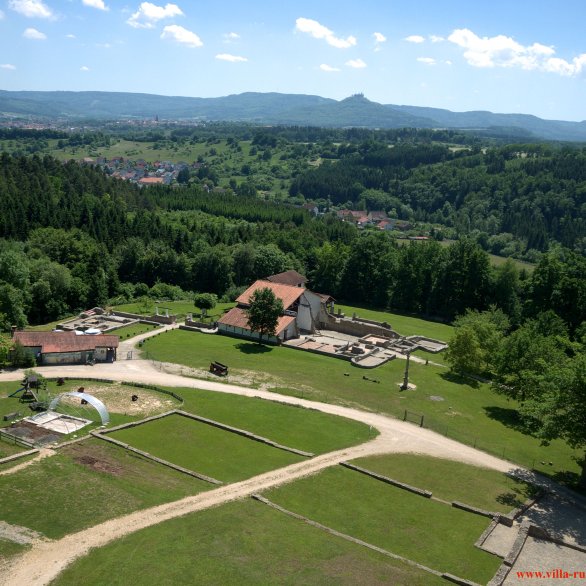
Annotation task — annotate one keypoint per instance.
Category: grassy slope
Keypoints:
(469, 413)
(425, 531)
(205, 449)
(242, 543)
(62, 494)
(452, 481)
(404, 325)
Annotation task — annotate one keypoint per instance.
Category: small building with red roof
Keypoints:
(68, 347)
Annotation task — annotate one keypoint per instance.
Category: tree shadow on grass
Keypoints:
(509, 417)
(253, 348)
(458, 379)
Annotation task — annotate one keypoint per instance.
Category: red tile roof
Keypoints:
(287, 294)
(150, 180)
(292, 278)
(65, 341)
(238, 318)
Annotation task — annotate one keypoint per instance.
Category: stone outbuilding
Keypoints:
(68, 347)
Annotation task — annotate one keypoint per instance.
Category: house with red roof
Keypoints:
(68, 347)
(300, 315)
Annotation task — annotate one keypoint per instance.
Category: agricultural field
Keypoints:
(464, 410)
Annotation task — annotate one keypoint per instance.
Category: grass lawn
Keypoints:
(9, 549)
(452, 481)
(470, 413)
(47, 327)
(205, 449)
(85, 484)
(304, 429)
(9, 449)
(178, 308)
(419, 529)
(241, 543)
(403, 324)
(133, 330)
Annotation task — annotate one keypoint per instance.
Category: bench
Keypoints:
(218, 368)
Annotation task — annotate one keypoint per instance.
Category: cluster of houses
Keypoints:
(141, 171)
(378, 219)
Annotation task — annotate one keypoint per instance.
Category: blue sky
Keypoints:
(524, 56)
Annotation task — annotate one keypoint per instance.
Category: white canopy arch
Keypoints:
(93, 401)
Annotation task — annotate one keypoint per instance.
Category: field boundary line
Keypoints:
(158, 460)
(244, 433)
(331, 531)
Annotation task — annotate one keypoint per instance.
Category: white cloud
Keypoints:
(84, 68)
(181, 35)
(99, 4)
(503, 51)
(8, 66)
(356, 64)
(436, 39)
(70, 36)
(34, 34)
(31, 8)
(149, 14)
(319, 31)
(231, 36)
(415, 39)
(328, 68)
(379, 37)
(231, 58)
(427, 60)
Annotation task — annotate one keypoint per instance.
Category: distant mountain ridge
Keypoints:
(275, 108)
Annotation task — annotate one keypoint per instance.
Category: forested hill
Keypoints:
(276, 108)
(72, 238)
(535, 193)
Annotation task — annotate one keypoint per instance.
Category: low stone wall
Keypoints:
(159, 319)
(413, 489)
(486, 533)
(18, 456)
(518, 544)
(158, 460)
(244, 433)
(331, 531)
(355, 327)
(457, 580)
(475, 510)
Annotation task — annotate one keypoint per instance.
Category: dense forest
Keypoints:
(74, 238)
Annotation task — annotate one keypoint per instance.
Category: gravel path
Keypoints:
(47, 559)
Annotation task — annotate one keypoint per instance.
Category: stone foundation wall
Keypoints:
(159, 319)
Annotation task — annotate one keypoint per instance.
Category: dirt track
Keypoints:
(47, 559)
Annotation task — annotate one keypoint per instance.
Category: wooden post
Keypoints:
(405, 384)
